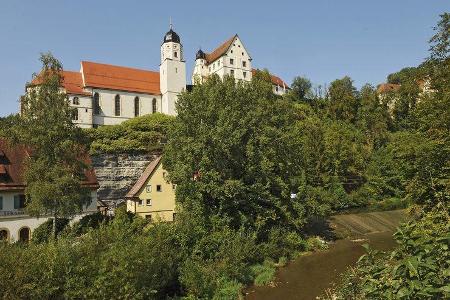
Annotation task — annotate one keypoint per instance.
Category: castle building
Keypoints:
(105, 94)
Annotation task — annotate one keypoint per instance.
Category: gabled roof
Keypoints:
(388, 87)
(134, 191)
(120, 78)
(73, 83)
(274, 79)
(12, 166)
(221, 50)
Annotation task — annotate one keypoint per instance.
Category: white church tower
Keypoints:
(172, 71)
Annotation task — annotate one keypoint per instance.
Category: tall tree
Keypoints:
(301, 89)
(55, 169)
(343, 100)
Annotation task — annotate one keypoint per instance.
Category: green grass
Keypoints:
(264, 273)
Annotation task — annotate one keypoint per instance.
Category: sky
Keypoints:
(322, 39)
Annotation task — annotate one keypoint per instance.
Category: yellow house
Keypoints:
(153, 196)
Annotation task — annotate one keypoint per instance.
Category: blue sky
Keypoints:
(322, 39)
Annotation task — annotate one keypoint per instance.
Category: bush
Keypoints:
(43, 233)
(91, 221)
(263, 273)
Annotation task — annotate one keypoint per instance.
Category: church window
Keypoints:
(75, 114)
(76, 101)
(244, 63)
(154, 105)
(96, 104)
(117, 105)
(136, 106)
(231, 61)
(175, 54)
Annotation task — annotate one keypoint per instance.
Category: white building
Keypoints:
(15, 224)
(105, 94)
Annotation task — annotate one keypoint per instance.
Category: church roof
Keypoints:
(221, 50)
(133, 192)
(73, 83)
(171, 36)
(120, 78)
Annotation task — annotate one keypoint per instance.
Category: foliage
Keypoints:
(417, 269)
(301, 89)
(343, 100)
(263, 273)
(142, 134)
(44, 232)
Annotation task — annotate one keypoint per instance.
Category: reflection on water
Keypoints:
(308, 276)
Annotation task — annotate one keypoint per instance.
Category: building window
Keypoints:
(4, 235)
(117, 105)
(148, 202)
(94, 125)
(175, 54)
(136, 106)
(154, 105)
(148, 217)
(148, 188)
(1, 203)
(174, 186)
(173, 216)
(231, 51)
(19, 201)
(244, 63)
(158, 188)
(245, 74)
(232, 72)
(140, 203)
(76, 101)
(24, 234)
(231, 61)
(96, 104)
(75, 114)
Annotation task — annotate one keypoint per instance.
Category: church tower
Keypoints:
(200, 68)
(172, 71)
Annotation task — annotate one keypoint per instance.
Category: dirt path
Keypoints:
(308, 276)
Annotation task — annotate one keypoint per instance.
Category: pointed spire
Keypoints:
(170, 23)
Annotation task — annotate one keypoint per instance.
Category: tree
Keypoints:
(343, 100)
(55, 168)
(301, 88)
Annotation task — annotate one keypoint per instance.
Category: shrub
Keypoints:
(263, 273)
(43, 232)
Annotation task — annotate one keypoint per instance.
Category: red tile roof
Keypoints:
(274, 79)
(73, 83)
(219, 51)
(13, 163)
(120, 78)
(388, 87)
(133, 192)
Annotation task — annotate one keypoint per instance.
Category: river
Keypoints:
(310, 275)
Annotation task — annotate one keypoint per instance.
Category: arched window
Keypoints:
(117, 105)
(75, 114)
(96, 104)
(136, 106)
(76, 101)
(154, 105)
(24, 234)
(4, 235)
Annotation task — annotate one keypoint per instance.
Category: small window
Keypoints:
(86, 110)
(75, 114)
(158, 188)
(96, 104)
(276, 88)
(94, 125)
(148, 217)
(231, 61)
(154, 105)
(173, 216)
(1, 203)
(231, 51)
(76, 101)
(19, 201)
(244, 63)
(175, 54)
(242, 53)
(140, 203)
(136, 106)
(148, 188)
(232, 72)
(148, 202)
(174, 186)
(117, 105)
(245, 74)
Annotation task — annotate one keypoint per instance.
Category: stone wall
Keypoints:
(117, 173)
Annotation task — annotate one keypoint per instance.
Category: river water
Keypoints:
(310, 275)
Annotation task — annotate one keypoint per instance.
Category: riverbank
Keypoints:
(311, 274)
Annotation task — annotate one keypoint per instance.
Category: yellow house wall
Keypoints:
(162, 205)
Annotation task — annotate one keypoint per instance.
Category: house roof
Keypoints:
(221, 50)
(388, 87)
(120, 78)
(12, 168)
(73, 83)
(274, 79)
(133, 192)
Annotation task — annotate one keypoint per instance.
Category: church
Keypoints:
(103, 94)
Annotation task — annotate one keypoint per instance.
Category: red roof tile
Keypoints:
(120, 78)
(13, 162)
(133, 192)
(73, 83)
(219, 51)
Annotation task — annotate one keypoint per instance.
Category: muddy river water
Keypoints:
(310, 275)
